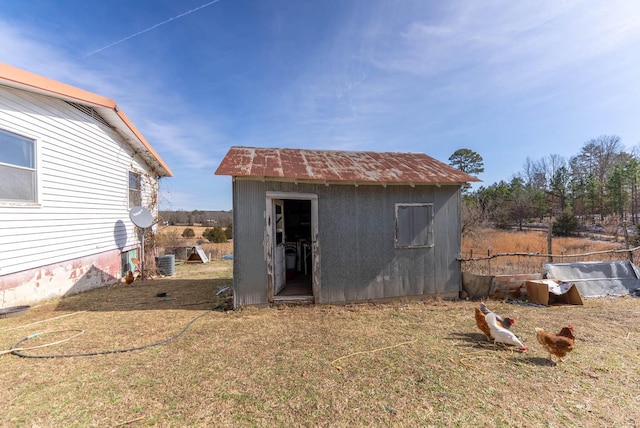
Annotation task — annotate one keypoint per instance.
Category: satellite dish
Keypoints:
(141, 217)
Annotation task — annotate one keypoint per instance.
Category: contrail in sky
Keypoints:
(152, 28)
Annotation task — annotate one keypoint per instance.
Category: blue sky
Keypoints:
(510, 80)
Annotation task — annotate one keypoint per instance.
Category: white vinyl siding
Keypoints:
(84, 192)
(18, 173)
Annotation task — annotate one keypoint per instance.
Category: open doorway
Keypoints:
(297, 248)
(292, 232)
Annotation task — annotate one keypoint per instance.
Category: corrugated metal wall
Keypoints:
(356, 240)
(249, 260)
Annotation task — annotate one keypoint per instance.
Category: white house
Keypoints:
(72, 165)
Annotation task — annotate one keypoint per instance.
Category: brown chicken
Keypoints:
(129, 278)
(556, 344)
(481, 321)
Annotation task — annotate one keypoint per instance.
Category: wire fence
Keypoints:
(528, 263)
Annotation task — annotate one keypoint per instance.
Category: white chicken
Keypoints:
(501, 334)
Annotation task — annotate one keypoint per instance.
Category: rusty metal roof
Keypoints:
(339, 166)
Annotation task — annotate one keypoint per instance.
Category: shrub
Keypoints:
(188, 233)
(228, 232)
(565, 225)
(170, 240)
(215, 234)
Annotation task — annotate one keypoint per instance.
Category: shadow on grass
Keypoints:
(154, 294)
(470, 337)
(539, 361)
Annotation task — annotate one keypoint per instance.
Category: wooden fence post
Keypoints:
(549, 243)
(626, 241)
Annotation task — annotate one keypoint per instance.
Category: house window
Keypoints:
(18, 178)
(135, 189)
(414, 225)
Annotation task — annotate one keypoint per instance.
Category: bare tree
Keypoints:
(599, 156)
(533, 174)
(596, 161)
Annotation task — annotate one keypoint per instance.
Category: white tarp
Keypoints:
(597, 278)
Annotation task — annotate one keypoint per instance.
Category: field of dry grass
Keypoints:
(214, 251)
(198, 230)
(403, 364)
(489, 242)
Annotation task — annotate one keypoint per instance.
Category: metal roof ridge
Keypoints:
(329, 150)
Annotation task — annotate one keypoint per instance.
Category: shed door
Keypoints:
(279, 237)
(296, 245)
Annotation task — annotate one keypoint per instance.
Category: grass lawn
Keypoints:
(405, 364)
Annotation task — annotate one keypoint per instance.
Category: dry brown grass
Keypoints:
(487, 242)
(198, 230)
(214, 251)
(504, 241)
(404, 364)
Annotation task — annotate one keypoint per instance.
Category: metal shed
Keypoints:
(327, 226)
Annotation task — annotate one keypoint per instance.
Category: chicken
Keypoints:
(481, 321)
(556, 344)
(129, 278)
(506, 322)
(501, 334)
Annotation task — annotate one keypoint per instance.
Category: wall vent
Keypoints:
(89, 111)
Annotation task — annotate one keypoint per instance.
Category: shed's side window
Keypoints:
(18, 178)
(414, 225)
(135, 189)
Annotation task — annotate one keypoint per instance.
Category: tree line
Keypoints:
(191, 218)
(214, 234)
(596, 187)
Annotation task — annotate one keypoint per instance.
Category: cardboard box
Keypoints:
(551, 292)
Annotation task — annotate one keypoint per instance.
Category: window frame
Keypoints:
(126, 261)
(133, 190)
(36, 169)
(429, 223)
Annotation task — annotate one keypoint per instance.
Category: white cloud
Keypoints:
(183, 140)
(183, 144)
(143, 97)
(383, 75)
(442, 62)
(505, 46)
